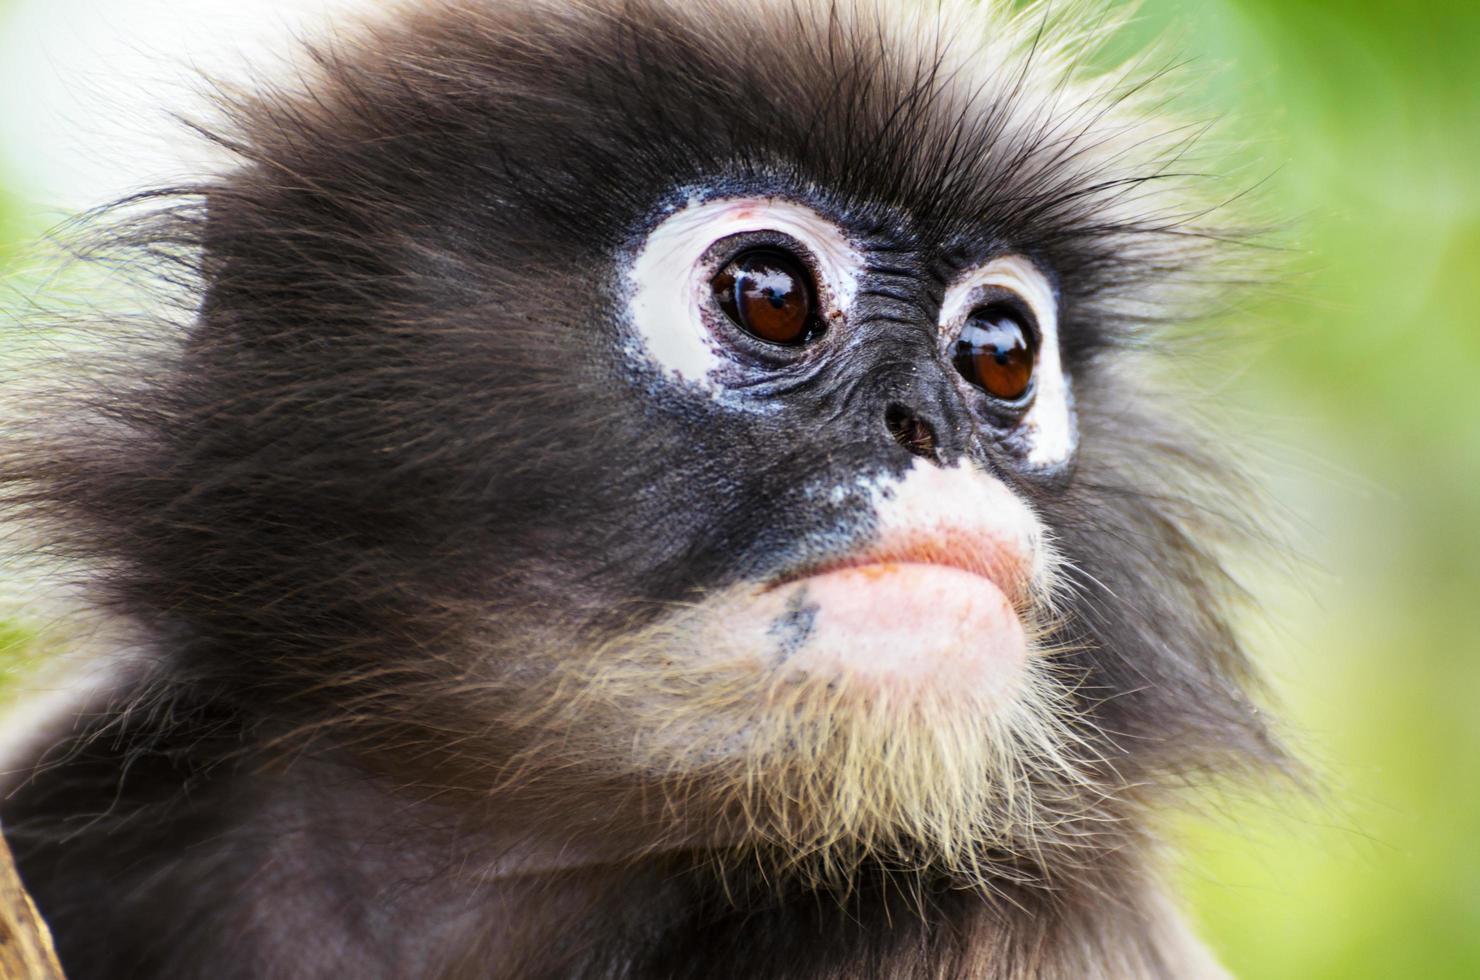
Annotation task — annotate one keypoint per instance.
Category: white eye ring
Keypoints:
(1048, 426)
(670, 283)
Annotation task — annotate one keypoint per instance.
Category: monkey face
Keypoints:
(836, 616)
(910, 563)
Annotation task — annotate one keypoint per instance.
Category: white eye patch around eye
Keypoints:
(1048, 426)
(669, 280)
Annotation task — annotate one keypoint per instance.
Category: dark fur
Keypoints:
(397, 420)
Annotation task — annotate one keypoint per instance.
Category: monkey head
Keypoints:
(737, 428)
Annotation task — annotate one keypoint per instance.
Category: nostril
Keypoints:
(910, 431)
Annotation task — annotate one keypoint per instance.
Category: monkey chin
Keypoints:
(887, 710)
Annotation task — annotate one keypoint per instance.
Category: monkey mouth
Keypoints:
(933, 610)
(964, 549)
(919, 617)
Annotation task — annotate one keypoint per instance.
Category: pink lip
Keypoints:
(965, 549)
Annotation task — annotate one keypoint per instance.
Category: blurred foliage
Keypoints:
(1366, 116)
(20, 654)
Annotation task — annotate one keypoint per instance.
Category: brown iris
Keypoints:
(996, 351)
(768, 294)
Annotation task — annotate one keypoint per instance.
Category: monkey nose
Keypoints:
(912, 431)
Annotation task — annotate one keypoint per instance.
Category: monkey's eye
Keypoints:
(996, 351)
(769, 294)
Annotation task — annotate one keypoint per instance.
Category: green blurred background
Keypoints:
(1362, 398)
